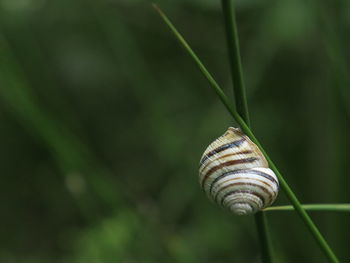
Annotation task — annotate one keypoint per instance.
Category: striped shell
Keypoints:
(235, 174)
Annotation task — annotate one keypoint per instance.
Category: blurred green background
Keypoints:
(104, 118)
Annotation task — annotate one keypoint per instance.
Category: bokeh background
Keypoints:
(104, 118)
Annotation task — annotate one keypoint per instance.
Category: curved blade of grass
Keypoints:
(200, 65)
(313, 207)
(242, 109)
(290, 194)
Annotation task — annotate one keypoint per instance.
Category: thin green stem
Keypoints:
(293, 199)
(235, 59)
(313, 207)
(242, 109)
(263, 235)
(291, 196)
(199, 64)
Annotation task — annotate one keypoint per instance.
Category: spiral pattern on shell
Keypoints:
(235, 174)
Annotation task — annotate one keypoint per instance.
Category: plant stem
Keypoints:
(313, 207)
(293, 199)
(291, 196)
(235, 59)
(263, 235)
(242, 109)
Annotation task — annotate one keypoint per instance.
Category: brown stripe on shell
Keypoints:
(243, 192)
(244, 171)
(221, 148)
(255, 206)
(224, 156)
(229, 163)
(240, 178)
(254, 193)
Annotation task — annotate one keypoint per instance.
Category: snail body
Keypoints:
(235, 174)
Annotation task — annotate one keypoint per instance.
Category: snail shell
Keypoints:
(235, 174)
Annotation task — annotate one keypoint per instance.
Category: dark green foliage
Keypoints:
(104, 118)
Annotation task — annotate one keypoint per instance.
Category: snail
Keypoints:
(235, 174)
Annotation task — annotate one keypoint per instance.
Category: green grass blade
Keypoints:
(264, 237)
(290, 194)
(235, 59)
(214, 85)
(242, 109)
(313, 207)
